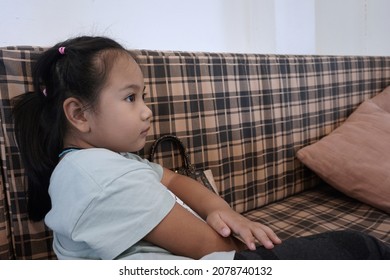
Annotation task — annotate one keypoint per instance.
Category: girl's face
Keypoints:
(121, 119)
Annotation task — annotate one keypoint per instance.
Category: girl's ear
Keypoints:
(75, 113)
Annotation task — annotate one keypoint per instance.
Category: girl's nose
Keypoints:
(146, 113)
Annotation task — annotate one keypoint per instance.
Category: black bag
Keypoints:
(204, 177)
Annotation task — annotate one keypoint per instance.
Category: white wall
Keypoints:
(216, 25)
(262, 26)
(353, 27)
(295, 26)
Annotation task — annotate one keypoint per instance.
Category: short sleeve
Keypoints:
(112, 212)
(155, 166)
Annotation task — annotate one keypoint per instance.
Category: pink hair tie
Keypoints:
(61, 50)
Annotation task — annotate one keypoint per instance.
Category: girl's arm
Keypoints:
(217, 212)
(181, 233)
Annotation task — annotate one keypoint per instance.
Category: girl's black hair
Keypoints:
(75, 68)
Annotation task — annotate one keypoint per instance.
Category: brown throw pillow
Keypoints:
(355, 157)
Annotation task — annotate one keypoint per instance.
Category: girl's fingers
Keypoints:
(224, 223)
(264, 239)
(247, 237)
(271, 235)
(219, 225)
(263, 234)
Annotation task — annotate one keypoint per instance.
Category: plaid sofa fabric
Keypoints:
(5, 233)
(27, 240)
(322, 209)
(245, 116)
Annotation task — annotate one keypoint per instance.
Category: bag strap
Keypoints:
(179, 144)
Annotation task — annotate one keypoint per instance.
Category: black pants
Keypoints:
(335, 245)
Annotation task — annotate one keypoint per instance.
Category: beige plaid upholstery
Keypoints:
(322, 209)
(242, 116)
(5, 234)
(25, 239)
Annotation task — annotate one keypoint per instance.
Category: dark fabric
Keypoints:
(337, 245)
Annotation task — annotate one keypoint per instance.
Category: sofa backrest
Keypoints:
(242, 116)
(245, 116)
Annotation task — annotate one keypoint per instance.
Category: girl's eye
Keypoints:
(130, 98)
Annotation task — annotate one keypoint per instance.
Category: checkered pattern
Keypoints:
(25, 239)
(322, 209)
(5, 241)
(245, 116)
(242, 116)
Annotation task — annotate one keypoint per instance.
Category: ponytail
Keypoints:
(32, 137)
(74, 68)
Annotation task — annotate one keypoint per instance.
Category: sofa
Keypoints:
(246, 117)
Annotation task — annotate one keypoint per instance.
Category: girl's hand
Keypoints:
(227, 221)
(217, 213)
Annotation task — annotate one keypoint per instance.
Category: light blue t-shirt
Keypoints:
(104, 203)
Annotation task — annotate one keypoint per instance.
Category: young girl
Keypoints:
(75, 132)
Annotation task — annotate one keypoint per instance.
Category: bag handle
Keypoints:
(179, 144)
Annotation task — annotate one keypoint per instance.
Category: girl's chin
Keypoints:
(139, 146)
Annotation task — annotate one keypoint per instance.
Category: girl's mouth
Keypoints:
(145, 132)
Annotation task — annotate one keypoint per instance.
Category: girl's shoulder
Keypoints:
(100, 162)
(96, 159)
(96, 169)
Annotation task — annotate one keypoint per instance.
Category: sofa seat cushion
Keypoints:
(322, 209)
